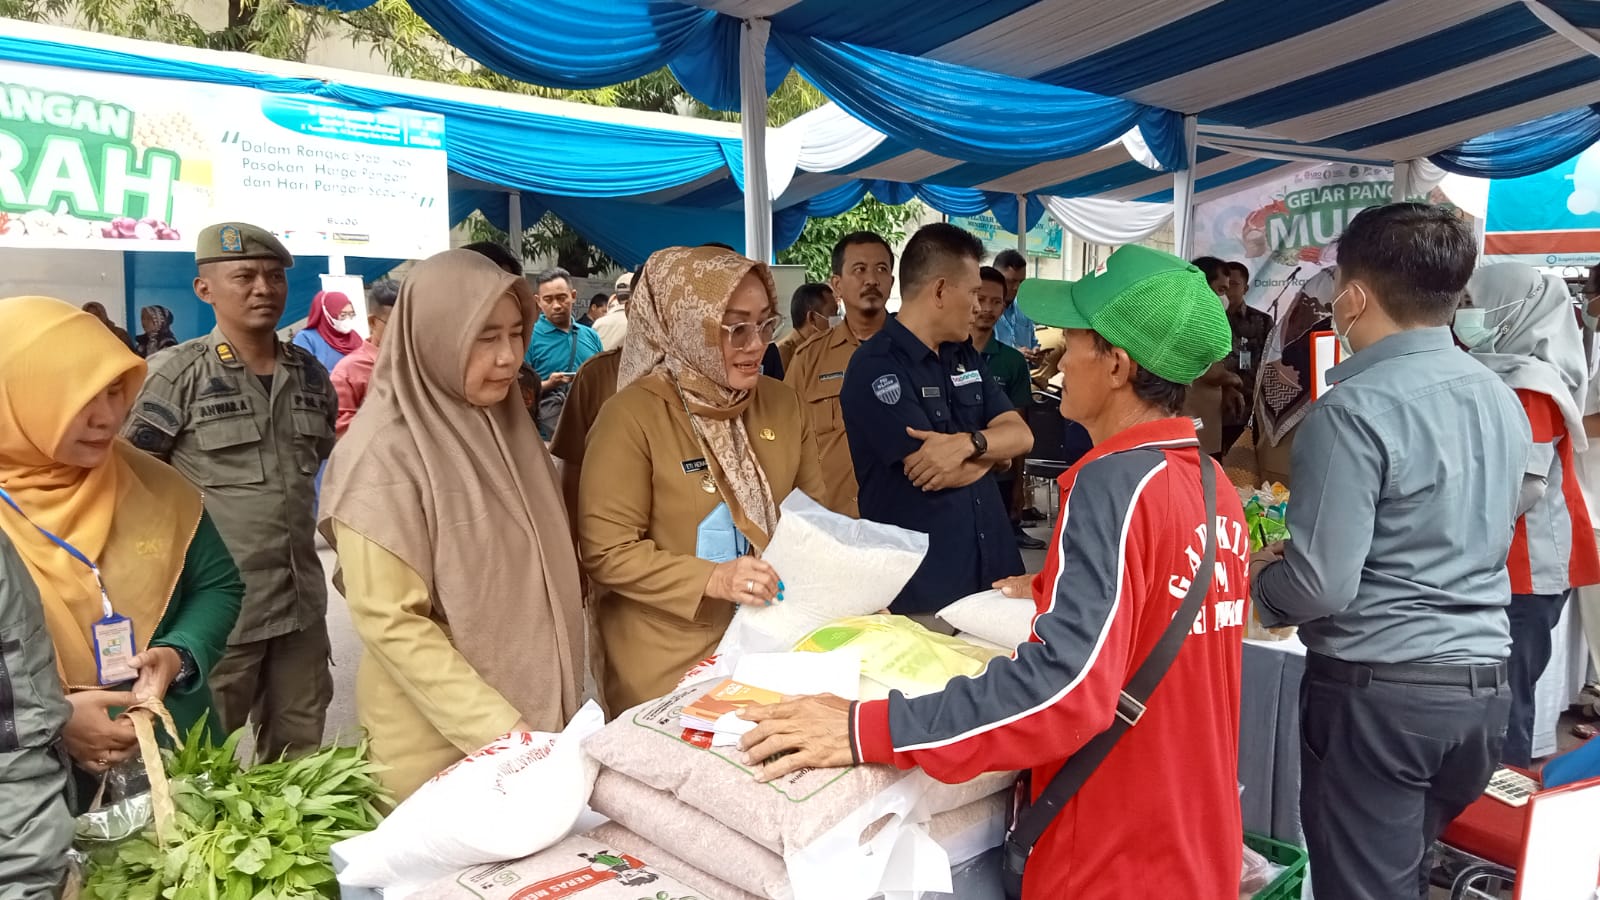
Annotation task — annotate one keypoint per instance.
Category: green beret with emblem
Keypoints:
(238, 240)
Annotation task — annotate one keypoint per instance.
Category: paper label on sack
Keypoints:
(666, 717)
(801, 674)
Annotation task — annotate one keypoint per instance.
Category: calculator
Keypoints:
(1511, 788)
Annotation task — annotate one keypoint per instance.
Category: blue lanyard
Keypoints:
(74, 552)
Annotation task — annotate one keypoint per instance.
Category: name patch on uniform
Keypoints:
(221, 409)
(830, 376)
(966, 378)
(930, 393)
(887, 389)
(691, 466)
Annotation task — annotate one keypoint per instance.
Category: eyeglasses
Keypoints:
(743, 334)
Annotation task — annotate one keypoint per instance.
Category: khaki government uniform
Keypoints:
(787, 345)
(420, 701)
(595, 383)
(817, 375)
(255, 454)
(644, 497)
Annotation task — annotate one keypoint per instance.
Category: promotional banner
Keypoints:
(1548, 219)
(1283, 231)
(1044, 239)
(89, 160)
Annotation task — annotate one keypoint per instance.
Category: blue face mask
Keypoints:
(1472, 329)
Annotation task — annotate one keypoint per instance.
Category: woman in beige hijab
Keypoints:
(453, 546)
(686, 467)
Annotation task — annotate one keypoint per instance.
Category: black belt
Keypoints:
(1362, 674)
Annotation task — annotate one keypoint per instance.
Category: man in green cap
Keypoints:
(250, 419)
(1131, 540)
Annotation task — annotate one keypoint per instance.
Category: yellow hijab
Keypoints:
(132, 515)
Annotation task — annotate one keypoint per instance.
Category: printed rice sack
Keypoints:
(647, 743)
(477, 811)
(832, 566)
(899, 654)
(613, 835)
(578, 867)
(706, 845)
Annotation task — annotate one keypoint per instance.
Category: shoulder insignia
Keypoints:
(150, 439)
(225, 350)
(160, 415)
(887, 389)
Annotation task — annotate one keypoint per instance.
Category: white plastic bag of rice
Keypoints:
(578, 866)
(993, 617)
(832, 567)
(514, 797)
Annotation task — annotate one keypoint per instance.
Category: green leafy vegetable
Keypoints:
(244, 833)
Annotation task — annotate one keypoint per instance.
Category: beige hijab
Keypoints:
(675, 342)
(465, 496)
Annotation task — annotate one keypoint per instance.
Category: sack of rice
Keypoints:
(613, 835)
(577, 865)
(899, 654)
(993, 617)
(477, 811)
(832, 566)
(647, 743)
(722, 852)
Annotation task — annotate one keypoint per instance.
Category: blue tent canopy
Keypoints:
(1012, 81)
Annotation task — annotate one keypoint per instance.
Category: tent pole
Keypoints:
(1403, 174)
(514, 223)
(1183, 185)
(753, 123)
(1022, 225)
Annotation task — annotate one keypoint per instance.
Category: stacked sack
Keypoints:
(697, 810)
(816, 828)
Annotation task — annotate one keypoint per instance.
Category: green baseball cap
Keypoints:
(238, 240)
(1152, 304)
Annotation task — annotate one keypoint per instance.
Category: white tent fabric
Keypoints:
(1108, 222)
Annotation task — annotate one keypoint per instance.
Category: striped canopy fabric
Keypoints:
(1358, 80)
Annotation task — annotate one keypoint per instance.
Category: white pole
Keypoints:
(753, 123)
(1403, 173)
(1022, 225)
(1183, 193)
(514, 223)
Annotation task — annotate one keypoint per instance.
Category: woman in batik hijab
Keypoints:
(1283, 387)
(686, 468)
(454, 551)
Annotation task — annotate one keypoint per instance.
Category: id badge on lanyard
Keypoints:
(114, 646)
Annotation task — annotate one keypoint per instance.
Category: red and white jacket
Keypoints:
(1160, 817)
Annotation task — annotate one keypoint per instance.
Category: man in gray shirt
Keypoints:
(1406, 474)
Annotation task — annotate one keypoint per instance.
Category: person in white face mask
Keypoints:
(812, 310)
(1407, 476)
(330, 333)
(1520, 325)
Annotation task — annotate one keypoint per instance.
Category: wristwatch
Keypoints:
(980, 445)
(187, 669)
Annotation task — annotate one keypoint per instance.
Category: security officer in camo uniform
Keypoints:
(250, 419)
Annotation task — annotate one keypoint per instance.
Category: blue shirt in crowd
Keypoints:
(309, 339)
(895, 381)
(553, 350)
(1016, 329)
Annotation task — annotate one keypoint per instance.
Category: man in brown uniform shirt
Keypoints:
(863, 273)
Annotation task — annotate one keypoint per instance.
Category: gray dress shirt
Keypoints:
(1407, 474)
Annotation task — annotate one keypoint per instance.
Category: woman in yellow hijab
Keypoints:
(139, 591)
